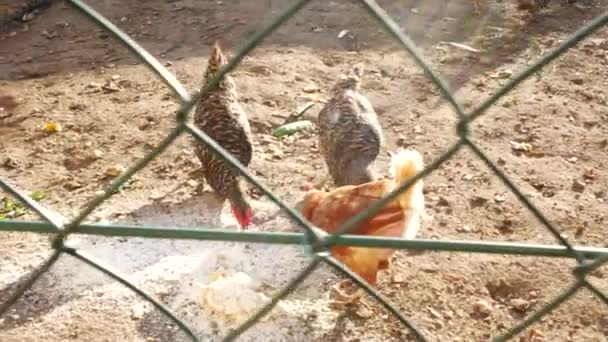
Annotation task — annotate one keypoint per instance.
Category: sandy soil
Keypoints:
(62, 68)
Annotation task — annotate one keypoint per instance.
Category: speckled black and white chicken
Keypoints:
(350, 136)
(220, 116)
(527, 5)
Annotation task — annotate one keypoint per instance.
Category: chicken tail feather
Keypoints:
(405, 164)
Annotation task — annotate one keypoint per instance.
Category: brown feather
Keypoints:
(220, 116)
(398, 218)
(350, 136)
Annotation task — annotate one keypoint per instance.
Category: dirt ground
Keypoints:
(549, 135)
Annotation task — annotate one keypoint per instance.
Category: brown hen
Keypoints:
(350, 136)
(220, 116)
(399, 218)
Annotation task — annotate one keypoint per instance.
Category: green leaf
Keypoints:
(291, 128)
(37, 195)
(10, 208)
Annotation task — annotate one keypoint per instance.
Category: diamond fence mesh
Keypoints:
(588, 259)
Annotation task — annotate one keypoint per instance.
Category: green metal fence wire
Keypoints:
(587, 258)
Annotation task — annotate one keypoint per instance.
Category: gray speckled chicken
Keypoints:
(350, 136)
(221, 117)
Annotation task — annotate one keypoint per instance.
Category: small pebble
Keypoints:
(137, 311)
(519, 304)
(465, 229)
(443, 202)
(482, 307)
(578, 80)
(578, 186)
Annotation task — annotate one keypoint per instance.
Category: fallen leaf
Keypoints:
(37, 195)
(521, 147)
(52, 127)
(310, 89)
(343, 33)
(434, 313)
(49, 35)
(364, 312)
(535, 335)
(462, 46)
(499, 197)
(115, 170)
(502, 74)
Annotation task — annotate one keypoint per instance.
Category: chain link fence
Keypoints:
(588, 259)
